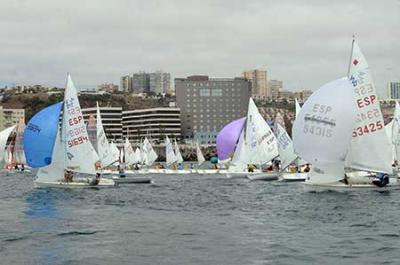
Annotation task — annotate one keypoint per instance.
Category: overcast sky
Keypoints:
(302, 43)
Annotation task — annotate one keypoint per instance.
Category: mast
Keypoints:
(351, 55)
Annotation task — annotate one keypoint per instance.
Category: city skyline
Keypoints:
(304, 45)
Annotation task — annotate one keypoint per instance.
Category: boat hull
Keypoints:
(294, 177)
(341, 187)
(104, 183)
(264, 176)
(132, 180)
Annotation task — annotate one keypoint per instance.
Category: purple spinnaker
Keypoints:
(228, 137)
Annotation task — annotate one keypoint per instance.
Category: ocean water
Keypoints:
(196, 219)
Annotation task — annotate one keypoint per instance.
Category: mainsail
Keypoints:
(177, 152)
(370, 148)
(200, 157)
(107, 157)
(129, 154)
(80, 155)
(261, 143)
(149, 154)
(170, 155)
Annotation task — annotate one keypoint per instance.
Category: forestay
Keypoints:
(370, 148)
(322, 129)
(80, 155)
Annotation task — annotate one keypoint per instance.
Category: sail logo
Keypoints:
(33, 127)
(70, 156)
(69, 102)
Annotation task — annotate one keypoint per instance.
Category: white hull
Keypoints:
(206, 171)
(341, 187)
(236, 175)
(104, 183)
(294, 177)
(132, 180)
(265, 176)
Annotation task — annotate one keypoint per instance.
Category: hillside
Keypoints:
(32, 103)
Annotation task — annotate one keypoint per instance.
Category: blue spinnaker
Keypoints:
(40, 134)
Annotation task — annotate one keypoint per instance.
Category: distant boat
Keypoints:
(257, 145)
(15, 156)
(4, 135)
(62, 149)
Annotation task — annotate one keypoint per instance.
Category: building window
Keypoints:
(204, 92)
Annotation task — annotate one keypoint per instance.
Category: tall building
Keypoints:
(111, 118)
(207, 104)
(10, 117)
(126, 84)
(140, 82)
(394, 90)
(160, 82)
(154, 123)
(274, 87)
(259, 85)
(108, 87)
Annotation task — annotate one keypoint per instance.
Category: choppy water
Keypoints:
(196, 220)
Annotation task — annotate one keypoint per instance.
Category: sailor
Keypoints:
(307, 168)
(122, 171)
(22, 167)
(381, 180)
(251, 167)
(180, 167)
(136, 167)
(96, 180)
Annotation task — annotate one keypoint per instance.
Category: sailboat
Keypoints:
(4, 135)
(15, 156)
(287, 155)
(257, 145)
(347, 131)
(60, 149)
(369, 135)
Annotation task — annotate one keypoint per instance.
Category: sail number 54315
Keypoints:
(368, 128)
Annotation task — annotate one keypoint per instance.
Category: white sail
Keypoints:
(54, 171)
(327, 173)
(80, 155)
(107, 157)
(285, 147)
(129, 153)
(240, 158)
(297, 107)
(18, 152)
(138, 156)
(370, 148)
(395, 132)
(261, 143)
(177, 152)
(200, 157)
(170, 155)
(389, 129)
(149, 153)
(322, 130)
(115, 152)
(4, 134)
